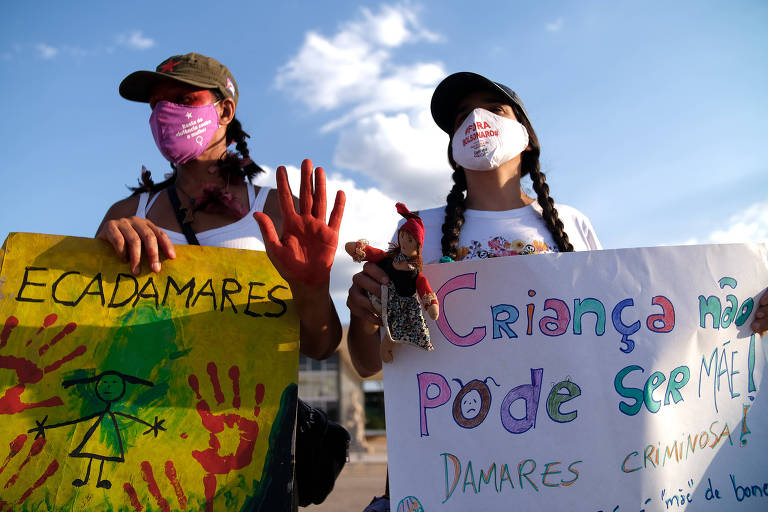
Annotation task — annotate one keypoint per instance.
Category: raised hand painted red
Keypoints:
(305, 249)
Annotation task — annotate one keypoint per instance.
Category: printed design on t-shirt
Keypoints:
(499, 246)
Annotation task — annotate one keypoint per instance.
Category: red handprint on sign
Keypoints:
(212, 461)
(30, 368)
(148, 476)
(15, 448)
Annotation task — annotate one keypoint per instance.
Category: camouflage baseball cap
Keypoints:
(190, 68)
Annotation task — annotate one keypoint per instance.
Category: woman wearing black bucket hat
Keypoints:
(208, 199)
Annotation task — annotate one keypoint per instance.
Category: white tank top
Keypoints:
(241, 234)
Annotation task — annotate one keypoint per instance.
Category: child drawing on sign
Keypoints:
(407, 291)
(103, 440)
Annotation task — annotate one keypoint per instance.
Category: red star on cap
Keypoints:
(168, 66)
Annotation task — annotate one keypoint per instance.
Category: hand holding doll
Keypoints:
(408, 290)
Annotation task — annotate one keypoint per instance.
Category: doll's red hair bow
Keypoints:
(413, 223)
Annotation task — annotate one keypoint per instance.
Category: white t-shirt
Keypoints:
(490, 234)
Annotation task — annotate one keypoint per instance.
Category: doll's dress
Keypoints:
(402, 314)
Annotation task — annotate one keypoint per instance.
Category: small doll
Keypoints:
(408, 290)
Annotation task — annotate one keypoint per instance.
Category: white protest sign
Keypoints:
(621, 380)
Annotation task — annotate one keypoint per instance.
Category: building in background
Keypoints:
(334, 386)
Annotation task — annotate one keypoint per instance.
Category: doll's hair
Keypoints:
(232, 164)
(529, 164)
(394, 250)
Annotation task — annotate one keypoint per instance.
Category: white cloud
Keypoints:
(405, 155)
(348, 67)
(381, 106)
(46, 51)
(76, 51)
(404, 89)
(135, 40)
(555, 26)
(748, 225)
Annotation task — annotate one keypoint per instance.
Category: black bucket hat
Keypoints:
(457, 86)
(190, 68)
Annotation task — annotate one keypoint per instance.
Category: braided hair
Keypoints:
(235, 165)
(455, 202)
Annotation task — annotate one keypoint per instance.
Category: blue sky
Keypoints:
(652, 116)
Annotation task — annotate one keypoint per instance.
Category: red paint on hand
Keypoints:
(305, 249)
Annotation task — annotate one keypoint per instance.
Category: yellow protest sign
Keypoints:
(169, 391)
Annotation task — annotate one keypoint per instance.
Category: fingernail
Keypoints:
(156, 267)
(759, 314)
(135, 270)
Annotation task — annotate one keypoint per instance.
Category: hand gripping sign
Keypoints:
(620, 380)
(169, 391)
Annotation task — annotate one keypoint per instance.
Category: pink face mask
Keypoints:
(182, 132)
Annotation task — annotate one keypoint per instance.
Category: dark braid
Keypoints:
(529, 164)
(233, 165)
(454, 210)
(548, 210)
(147, 184)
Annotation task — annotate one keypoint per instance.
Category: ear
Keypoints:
(226, 111)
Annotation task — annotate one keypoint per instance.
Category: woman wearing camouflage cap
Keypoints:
(208, 198)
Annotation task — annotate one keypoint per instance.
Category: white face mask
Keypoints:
(484, 141)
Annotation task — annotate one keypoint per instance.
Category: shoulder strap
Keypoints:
(257, 205)
(150, 203)
(186, 227)
(141, 210)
